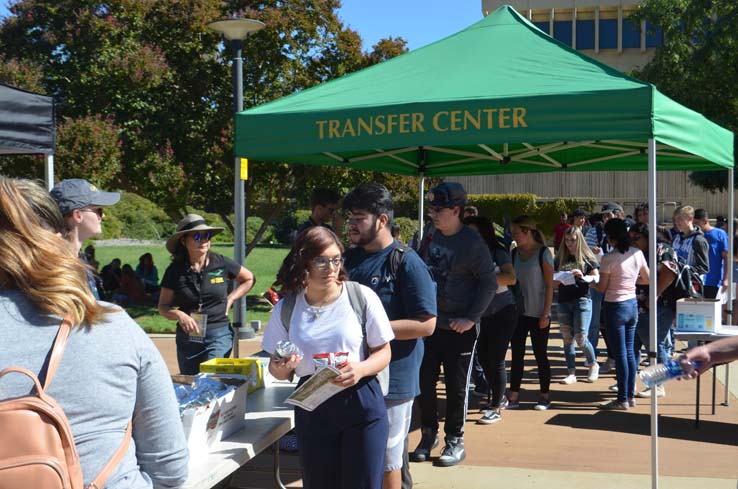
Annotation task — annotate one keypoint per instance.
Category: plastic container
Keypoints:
(662, 372)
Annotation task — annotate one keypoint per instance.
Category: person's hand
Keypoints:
(285, 366)
(351, 373)
(577, 273)
(698, 354)
(461, 325)
(544, 321)
(188, 324)
(596, 250)
(229, 304)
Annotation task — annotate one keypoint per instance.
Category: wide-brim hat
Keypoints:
(190, 223)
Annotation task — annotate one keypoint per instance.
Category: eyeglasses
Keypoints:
(97, 210)
(323, 262)
(202, 236)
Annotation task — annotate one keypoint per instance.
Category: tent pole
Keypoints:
(421, 214)
(731, 230)
(652, 233)
(49, 170)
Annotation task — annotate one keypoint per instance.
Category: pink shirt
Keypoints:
(623, 269)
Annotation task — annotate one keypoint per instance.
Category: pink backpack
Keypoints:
(36, 444)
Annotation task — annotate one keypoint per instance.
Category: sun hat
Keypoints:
(612, 207)
(447, 194)
(77, 193)
(188, 224)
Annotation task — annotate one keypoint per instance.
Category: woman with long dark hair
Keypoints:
(498, 322)
(620, 270)
(342, 442)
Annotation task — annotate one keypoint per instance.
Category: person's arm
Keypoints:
(417, 292)
(701, 250)
(166, 309)
(545, 320)
(161, 448)
(720, 351)
(644, 275)
(506, 275)
(410, 329)
(353, 372)
(601, 286)
(726, 270)
(245, 280)
(665, 278)
(484, 269)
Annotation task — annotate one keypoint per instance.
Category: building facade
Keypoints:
(601, 29)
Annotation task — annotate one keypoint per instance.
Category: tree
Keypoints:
(698, 63)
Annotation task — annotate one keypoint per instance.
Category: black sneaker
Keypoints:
(491, 416)
(503, 403)
(428, 441)
(452, 453)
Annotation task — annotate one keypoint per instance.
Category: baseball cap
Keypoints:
(612, 207)
(77, 193)
(447, 194)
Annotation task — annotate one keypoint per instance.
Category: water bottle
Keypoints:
(285, 348)
(661, 372)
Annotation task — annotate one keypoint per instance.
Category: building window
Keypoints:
(562, 31)
(585, 34)
(608, 34)
(631, 34)
(654, 39)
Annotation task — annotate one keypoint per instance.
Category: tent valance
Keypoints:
(26, 122)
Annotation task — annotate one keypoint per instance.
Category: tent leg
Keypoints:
(652, 233)
(49, 171)
(731, 231)
(421, 212)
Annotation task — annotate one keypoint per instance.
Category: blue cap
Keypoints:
(447, 194)
(76, 193)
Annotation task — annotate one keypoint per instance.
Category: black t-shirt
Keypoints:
(570, 293)
(209, 287)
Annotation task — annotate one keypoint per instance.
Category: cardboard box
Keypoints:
(205, 426)
(699, 315)
(252, 368)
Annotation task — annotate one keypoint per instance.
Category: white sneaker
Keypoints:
(613, 387)
(660, 392)
(569, 379)
(594, 373)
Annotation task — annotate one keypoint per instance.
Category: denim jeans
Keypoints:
(620, 325)
(594, 324)
(574, 319)
(218, 343)
(664, 320)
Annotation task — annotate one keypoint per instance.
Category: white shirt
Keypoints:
(335, 329)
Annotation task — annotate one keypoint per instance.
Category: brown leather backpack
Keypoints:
(36, 444)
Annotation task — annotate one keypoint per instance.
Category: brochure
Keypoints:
(316, 390)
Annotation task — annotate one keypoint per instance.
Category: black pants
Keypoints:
(494, 338)
(710, 291)
(454, 352)
(539, 340)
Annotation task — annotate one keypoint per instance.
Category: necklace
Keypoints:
(319, 307)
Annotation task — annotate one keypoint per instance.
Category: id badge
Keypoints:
(202, 327)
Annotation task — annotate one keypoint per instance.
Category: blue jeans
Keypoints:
(574, 319)
(620, 325)
(664, 320)
(593, 334)
(218, 343)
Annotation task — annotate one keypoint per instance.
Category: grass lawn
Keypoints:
(263, 262)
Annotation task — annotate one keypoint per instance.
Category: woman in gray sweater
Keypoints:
(110, 372)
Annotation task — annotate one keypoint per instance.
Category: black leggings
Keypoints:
(494, 337)
(539, 340)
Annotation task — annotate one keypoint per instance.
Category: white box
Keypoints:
(699, 315)
(205, 426)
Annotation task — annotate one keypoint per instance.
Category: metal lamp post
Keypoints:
(235, 31)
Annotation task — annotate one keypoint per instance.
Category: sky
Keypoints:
(419, 22)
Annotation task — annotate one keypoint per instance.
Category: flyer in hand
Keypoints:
(316, 390)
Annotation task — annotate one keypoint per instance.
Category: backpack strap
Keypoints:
(358, 303)
(396, 258)
(107, 471)
(541, 251)
(57, 350)
(288, 305)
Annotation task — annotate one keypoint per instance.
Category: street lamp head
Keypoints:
(236, 29)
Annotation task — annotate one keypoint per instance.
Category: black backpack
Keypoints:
(688, 283)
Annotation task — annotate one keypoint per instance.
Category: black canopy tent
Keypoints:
(27, 126)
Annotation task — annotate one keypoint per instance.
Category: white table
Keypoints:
(267, 420)
(701, 339)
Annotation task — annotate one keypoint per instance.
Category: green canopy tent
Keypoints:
(500, 96)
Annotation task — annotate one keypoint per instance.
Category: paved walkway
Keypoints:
(573, 444)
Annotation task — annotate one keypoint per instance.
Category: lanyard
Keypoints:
(198, 284)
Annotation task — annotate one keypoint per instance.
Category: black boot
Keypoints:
(452, 453)
(428, 441)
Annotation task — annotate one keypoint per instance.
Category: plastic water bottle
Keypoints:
(661, 372)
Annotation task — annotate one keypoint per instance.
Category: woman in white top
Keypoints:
(342, 441)
(620, 270)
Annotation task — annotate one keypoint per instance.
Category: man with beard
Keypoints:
(404, 285)
(462, 266)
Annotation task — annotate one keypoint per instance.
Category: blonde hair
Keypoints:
(685, 210)
(527, 223)
(36, 260)
(583, 253)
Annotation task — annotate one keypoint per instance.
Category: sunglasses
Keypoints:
(97, 210)
(202, 236)
(323, 262)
